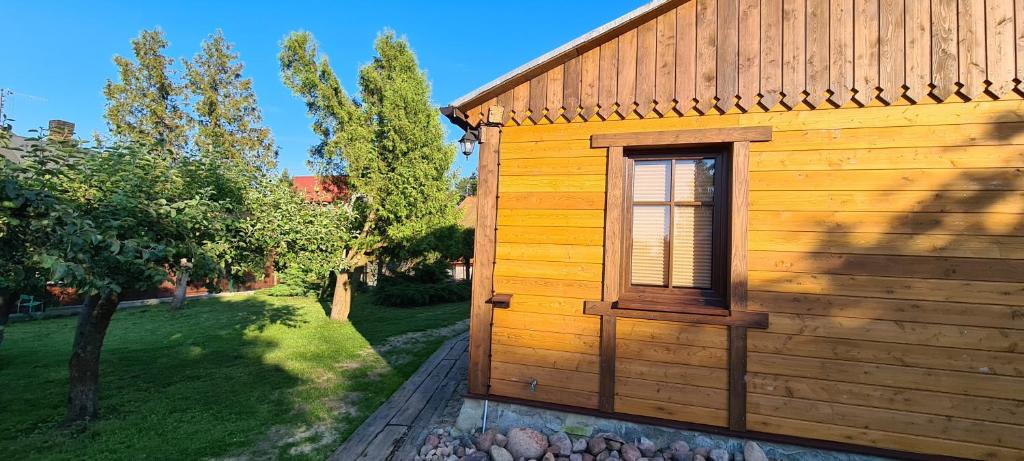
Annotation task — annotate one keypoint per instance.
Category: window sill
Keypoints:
(703, 305)
(718, 317)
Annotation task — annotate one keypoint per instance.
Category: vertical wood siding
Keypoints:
(720, 56)
(886, 242)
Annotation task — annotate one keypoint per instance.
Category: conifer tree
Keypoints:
(228, 122)
(389, 142)
(146, 105)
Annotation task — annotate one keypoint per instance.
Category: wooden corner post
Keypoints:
(738, 204)
(483, 259)
(610, 288)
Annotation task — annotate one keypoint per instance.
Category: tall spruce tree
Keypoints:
(227, 119)
(146, 106)
(389, 142)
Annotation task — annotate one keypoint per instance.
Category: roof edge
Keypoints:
(559, 52)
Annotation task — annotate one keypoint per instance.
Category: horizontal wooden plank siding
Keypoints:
(549, 257)
(672, 369)
(886, 243)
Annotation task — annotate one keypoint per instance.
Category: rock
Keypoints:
(611, 436)
(561, 441)
(753, 452)
(703, 451)
(681, 456)
(604, 455)
(630, 452)
(477, 456)
(647, 447)
(680, 446)
(699, 458)
(719, 454)
(500, 454)
(596, 444)
(500, 440)
(459, 451)
(579, 445)
(424, 450)
(613, 441)
(575, 457)
(588, 457)
(526, 443)
(470, 416)
(485, 440)
(548, 457)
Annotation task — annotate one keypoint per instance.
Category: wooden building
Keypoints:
(785, 220)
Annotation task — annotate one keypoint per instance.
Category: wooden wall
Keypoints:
(712, 56)
(886, 242)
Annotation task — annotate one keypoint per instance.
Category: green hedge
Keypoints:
(401, 292)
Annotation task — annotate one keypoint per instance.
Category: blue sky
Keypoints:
(58, 54)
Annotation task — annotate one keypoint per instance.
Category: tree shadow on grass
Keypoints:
(207, 381)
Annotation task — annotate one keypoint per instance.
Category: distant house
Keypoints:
(463, 270)
(59, 130)
(321, 189)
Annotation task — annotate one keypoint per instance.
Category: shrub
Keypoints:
(287, 291)
(403, 291)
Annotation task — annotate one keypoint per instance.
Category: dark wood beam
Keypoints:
(644, 139)
(481, 313)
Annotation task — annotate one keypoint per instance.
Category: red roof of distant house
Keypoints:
(320, 189)
(468, 209)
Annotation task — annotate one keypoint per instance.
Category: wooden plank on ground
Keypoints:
(368, 431)
(422, 426)
(384, 442)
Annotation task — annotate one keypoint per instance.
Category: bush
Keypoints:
(403, 291)
(287, 291)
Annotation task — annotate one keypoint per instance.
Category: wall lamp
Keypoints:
(469, 141)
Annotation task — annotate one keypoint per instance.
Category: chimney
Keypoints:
(61, 131)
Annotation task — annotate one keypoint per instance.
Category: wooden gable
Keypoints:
(716, 56)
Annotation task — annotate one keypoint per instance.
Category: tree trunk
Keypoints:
(180, 288)
(8, 302)
(342, 302)
(84, 366)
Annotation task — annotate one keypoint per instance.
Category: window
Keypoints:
(674, 240)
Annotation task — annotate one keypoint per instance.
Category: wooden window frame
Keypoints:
(735, 142)
(710, 301)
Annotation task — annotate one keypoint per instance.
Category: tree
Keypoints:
(204, 225)
(228, 121)
(303, 236)
(467, 185)
(22, 213)
(115, 220)
(146, 107)
(389, 142)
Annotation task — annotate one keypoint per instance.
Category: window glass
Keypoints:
(691, 247)
(694, 180)
(672, 220)
(652, 181)
(650, 231)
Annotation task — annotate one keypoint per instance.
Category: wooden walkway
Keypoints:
(397, 429)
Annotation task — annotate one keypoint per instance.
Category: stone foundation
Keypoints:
(505, 416)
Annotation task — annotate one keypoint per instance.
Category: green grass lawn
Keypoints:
(245, 377)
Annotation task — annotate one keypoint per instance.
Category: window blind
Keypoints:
(650, 228)
(673, 208)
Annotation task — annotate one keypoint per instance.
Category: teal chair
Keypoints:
(30, 306)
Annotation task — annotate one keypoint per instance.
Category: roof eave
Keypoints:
(569, 50)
